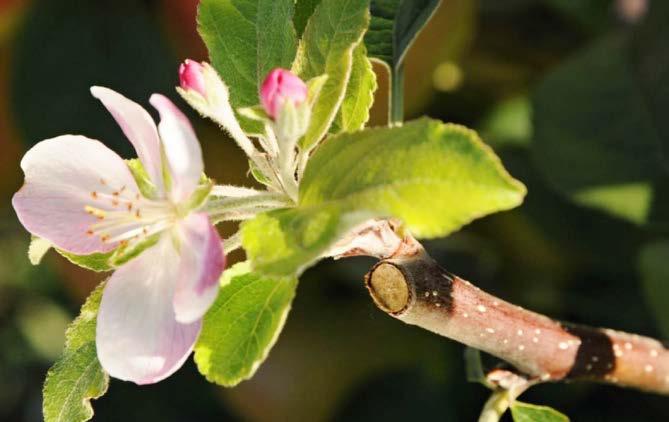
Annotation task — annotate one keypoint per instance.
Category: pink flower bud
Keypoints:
(191, 77)
(279, 86)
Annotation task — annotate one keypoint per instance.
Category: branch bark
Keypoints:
(413, 288)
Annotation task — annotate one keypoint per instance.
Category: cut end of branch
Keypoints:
(416, 290)
(389, 288)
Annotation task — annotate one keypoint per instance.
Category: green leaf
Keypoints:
(354, 111)
(258, 174)
(246, 39)
(144, 183)
(287, 242)
(394, 26)
(97, 261)
(71, 383)
(654, 269)
(200, 194)
(435, 177)
(242, 325)
(124, 254)
(331, 35)
(303, 11)
(77, 376)
(256, 112)
(525, 412)
(82, 329)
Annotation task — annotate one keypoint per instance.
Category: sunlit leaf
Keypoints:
(525, 412)
(97, 261)
(354, 111)
(124, 254)
(243, 324)
(331, 35)
(435, 177)
(77, 376)
(144, 183)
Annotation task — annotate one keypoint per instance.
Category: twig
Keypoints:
(416, 290)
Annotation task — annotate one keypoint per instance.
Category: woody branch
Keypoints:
(410, 286)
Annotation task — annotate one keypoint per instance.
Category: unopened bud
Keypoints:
(281, 86)
(204, 90)
(191, 77)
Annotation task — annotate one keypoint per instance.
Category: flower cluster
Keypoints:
(84, 199)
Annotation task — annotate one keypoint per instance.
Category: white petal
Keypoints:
(63, 175)
(138, 337)
(202, 262)
(182, 148)
(138, 127)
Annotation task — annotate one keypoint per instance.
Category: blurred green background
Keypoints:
(572, 94)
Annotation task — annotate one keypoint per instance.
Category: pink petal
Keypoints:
(202, 262)
(182, 148)
(138, 127)
(62, 176)
(138, 338)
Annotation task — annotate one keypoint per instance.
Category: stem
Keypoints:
(495, 406)
(217, 207)
(416, 290)
(507, 386)
(287, 167)
(237, 215)
(396, 112)
(227, 119)
(232, 243)
(234, 191)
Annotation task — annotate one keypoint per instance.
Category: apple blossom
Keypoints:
(81, 197)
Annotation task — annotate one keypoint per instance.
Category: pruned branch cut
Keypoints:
(417, 291)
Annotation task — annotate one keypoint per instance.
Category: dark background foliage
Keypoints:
(573, 95)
